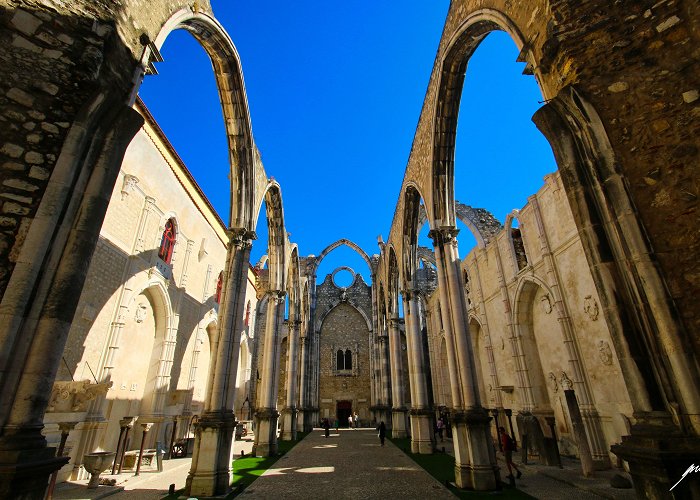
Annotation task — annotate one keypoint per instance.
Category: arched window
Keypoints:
(167, 242)
(247, 314)
(348, 360)
(519, 247)
(219, 285)
(339, 360)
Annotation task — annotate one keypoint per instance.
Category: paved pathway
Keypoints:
(350, 464)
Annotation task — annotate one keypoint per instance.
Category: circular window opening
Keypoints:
(343, 278)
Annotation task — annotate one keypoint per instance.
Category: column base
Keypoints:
(398, 423)
(24, 474)
(475, 457)
(289, 424)
(212, 460)
(266, 432)
(658, 455)
(422, 437)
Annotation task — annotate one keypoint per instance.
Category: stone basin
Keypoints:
(96, 463)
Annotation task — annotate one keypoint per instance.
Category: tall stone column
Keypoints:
(33, 334)
(266, 413)
(385, 378)
(303, 385)
(421, 415)
(290, 412)
(210, 473)
(398, 409)
(475, 459)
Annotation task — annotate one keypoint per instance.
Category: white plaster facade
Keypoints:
(143, 327)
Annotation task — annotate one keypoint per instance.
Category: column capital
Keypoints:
(395, 321)
(443, 235)
(240, 236)
(277, 295)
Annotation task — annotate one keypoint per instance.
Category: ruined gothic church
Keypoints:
(131, 315)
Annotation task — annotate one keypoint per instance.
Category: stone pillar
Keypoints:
(211, 460)
(33, 335)
(290, 412)
(475, 458)
(303, 386)
(421, 416)
(266, 413)
(398, 409)
(385, 375)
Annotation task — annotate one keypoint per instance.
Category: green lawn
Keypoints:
(442, 467)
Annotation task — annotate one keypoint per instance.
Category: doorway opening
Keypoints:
(343, 411)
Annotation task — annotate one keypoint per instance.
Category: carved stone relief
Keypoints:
(140, 314)
(546, 304)
(553, 381)
(565, 382)
(605, 353)
(590, 307)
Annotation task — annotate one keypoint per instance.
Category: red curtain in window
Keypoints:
(167, 243)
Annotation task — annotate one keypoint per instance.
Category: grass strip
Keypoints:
(249, 468)
(442, 467)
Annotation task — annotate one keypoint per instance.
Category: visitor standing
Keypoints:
(440, 427)
(382, 432)
(350, 421)
(508, 447)
(356, 420)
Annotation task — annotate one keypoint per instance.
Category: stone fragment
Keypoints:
(50, 128)
(16, 197)
(7, 221)
(36, 115)
(47, 87)
(12, 150)
(34, 158)
(10, 165)
(21, 97)
(29, 126)
(39, 173)
(690, 96)
(63, 124)
(25, 22)
(13, 208)
(22, 43)
(20, 184)
(65, 39)
(34, 138)
(668, 23)
(53, 54)
(660, 125)
(618, 87)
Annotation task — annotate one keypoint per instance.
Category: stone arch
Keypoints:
(344, 268)
(452, 70)
(293, 285)
(276, 233)
(335, 304)
(535, 395)
(393, 278)
(339, 243)
(482, 223)
(234, 102)
(411, 215)
(516, 243)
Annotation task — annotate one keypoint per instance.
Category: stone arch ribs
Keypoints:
(276, 233)
(234, 104)
(347, 243)
(451, 82)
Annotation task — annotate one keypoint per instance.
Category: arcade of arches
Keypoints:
(572, 322)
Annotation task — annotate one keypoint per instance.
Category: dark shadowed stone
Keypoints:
(621, 482)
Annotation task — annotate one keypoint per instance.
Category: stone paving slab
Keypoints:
(350, 464)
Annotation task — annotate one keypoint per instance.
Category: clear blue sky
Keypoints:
(335, 91)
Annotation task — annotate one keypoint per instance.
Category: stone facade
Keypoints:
(145, 327)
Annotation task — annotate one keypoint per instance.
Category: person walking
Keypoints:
(508, 447)
(440, 427)
(327, 427)
(382, 432)
(356, 420)
(350, 421)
